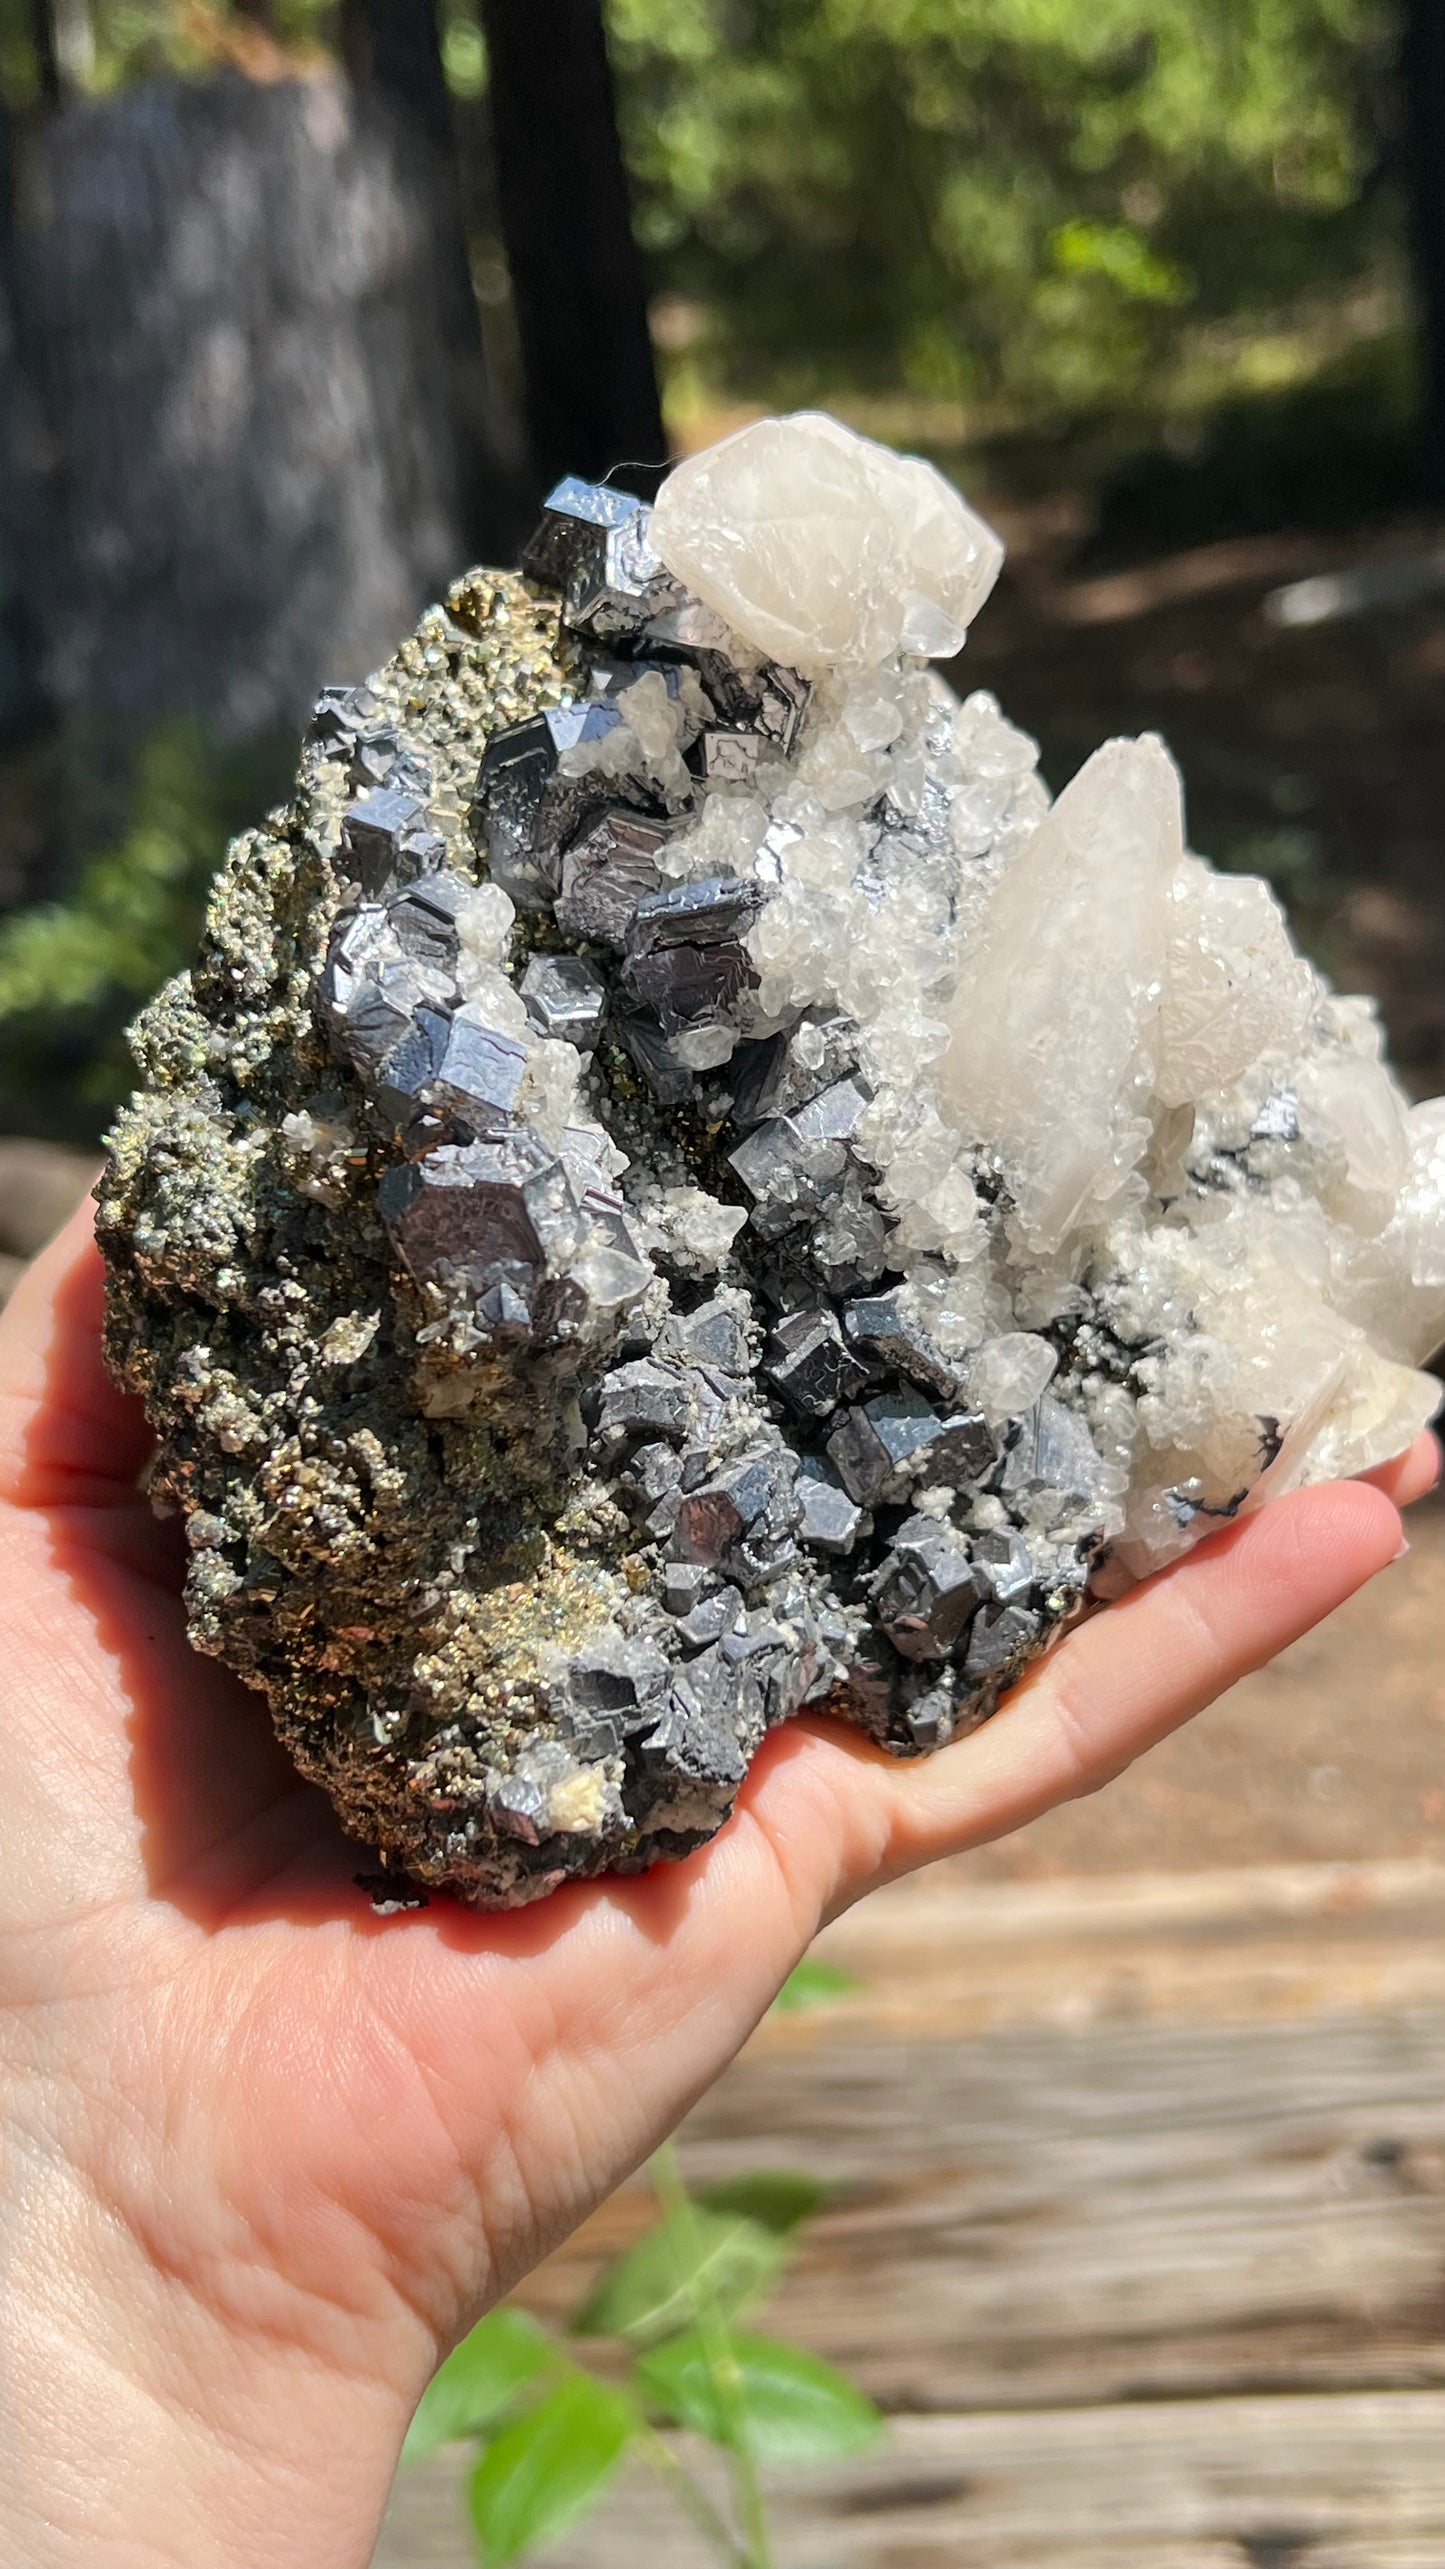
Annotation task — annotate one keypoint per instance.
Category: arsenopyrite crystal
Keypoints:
(681, 1189)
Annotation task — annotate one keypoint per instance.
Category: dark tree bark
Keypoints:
(396, 44)
(21, 694)
(46, 51)
(12, 685)
(241, 351)
(1422, 63)
(393, 48)
(577, 281)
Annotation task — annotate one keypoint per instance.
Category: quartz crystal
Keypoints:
(681, 1189)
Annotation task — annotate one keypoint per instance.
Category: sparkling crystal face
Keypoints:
(821, 549)
(683, 1189)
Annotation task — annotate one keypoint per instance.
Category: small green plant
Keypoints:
(73, 970)
(551, 2431)
(815, 1983)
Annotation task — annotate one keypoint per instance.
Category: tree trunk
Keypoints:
(248, 393)
(46, 51)
(396, 45)
(21, 698)
(577, 284)
(1422, 65)
(393, 50)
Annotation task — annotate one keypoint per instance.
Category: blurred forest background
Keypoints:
(304, 302)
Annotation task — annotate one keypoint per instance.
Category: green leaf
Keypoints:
(478, 2381)
(778, 2199)
(815, 1983)
(1115, 251)
(544, 2470)
(796, 2407)
(648, 2292)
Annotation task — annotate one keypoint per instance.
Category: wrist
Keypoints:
(140, 2426)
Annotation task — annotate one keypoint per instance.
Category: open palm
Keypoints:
(274, 2151)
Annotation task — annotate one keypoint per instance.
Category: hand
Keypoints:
(267, 2154)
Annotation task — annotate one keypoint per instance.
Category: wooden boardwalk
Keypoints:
(1139, 2231)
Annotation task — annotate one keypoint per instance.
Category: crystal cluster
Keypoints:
(682, 1188)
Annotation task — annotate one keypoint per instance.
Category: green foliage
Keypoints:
(777, 2199)
(128, 40)
(1018, 212)
(653, 2286)
(814, 1984)
(545, 2469)
(137, 905)
(73, 971)
(794, 2407)
(1081, 230)
(1024, 204)
(479, 2381)
(552, 2433)
(137, 39)
(1337, 449)
(464, 50)
(19, 70)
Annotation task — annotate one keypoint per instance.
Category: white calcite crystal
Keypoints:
(1058, 995)
(824, 550)
(683, 1188)
(1108, 1101)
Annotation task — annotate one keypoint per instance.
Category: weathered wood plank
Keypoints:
(1131, 2200)
(1253, 1941)
(1349, 2481)
(1114, 2162)
(1036, 2217)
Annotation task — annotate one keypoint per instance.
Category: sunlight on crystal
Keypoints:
(823, 549)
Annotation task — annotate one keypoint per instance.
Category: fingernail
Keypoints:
(1404, 1548)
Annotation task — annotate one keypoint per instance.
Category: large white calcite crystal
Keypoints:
(1059, 990)
(749, 1205)
(1105, 1093)
(822, 549)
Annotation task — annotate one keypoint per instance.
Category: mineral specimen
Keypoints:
(681, 1188)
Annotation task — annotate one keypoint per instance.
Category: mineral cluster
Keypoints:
(681, 1188)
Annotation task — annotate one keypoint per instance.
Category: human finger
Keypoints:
(629, 1995)
(68, 1435)
(1112, 1689)
(1409, 1476)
